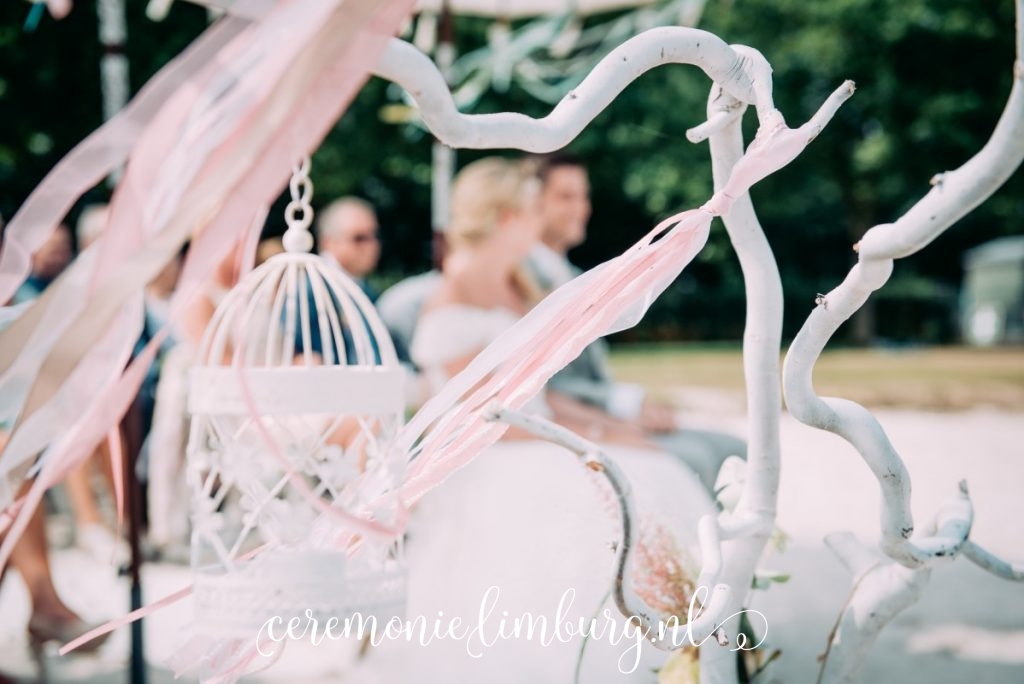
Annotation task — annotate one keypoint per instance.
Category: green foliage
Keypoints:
(932, 77)
(50, 84)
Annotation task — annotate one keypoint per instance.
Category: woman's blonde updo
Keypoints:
(481, 192)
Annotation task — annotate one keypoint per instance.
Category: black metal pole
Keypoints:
(131, 431)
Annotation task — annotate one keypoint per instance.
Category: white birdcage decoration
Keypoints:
(295, 396)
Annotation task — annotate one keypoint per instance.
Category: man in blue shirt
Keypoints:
(346, 232)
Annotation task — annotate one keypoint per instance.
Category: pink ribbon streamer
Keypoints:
(268, 170)
(451, 429)
(319, 109)
(608, 298)
(108, 356)
(99, 154)
(166, 158)
(138, 613)
(131, 617)
(111, 403)
(518, 364)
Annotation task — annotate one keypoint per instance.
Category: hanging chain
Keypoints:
(299, 214)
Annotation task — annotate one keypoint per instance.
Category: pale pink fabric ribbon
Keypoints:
(452, 428)
(258, 152)
(36, 334)
(611, 297)
(329, 69)
(176, 179)
(99, 154)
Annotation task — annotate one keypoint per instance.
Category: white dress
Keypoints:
(527, 522)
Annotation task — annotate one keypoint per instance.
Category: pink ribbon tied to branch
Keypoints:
(451, 428)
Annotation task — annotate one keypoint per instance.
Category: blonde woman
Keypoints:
(485, 289)
(524, 528)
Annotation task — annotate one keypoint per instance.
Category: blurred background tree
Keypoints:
(932, 77)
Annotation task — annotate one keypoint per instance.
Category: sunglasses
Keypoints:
(363, 238)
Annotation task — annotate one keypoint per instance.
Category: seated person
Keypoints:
(524, 522)
(484, 290)
(565, 210)
(348, 238)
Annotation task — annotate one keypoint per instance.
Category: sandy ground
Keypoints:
(968, 627)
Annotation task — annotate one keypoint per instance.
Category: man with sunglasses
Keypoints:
(347, 235)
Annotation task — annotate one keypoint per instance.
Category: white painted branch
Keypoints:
(742, 76)
(710, 551)
(411, 69)
(555, 433)
(755, 513)
(715, 123)
(733, 527)
(709, 619)
(990, 562)
(952, 526)
(954, 194)
(882, 589)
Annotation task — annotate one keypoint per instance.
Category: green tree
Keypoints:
(932, 77)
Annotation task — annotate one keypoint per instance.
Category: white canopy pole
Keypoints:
(113, 63)
(443, 156)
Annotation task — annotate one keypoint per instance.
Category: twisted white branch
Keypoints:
(955, 193)
(742, 76)
(411, 69)
(881, 590)
(756, 510)
(630, 604)
(990, 562)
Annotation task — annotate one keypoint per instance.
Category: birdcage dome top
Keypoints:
(304, 338)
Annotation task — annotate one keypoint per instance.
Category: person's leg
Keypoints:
(51, 619)
(31, 560)
(79, 488)
(91, 532)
